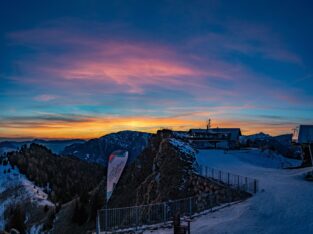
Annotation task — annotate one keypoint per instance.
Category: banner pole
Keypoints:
(106, 201)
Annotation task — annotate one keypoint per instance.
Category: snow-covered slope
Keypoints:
(255, 157)
(15, 189)
(283, 205)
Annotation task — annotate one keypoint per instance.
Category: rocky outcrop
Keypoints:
(162, 172)
(209, 192)
(173, 167)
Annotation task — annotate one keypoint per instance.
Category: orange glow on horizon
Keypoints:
(96, 127)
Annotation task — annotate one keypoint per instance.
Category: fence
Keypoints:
(115, 219)
(242, 183)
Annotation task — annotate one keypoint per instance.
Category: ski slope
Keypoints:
(283, 205)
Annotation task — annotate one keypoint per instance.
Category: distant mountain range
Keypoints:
(56, 146)
(97, 150)
(162, 169)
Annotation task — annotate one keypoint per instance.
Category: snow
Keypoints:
(188, 153)
(283, 205)
(254, 157)
(36, 229)
(258, 136)
(16, 188)
(222, 145)
(182, 146)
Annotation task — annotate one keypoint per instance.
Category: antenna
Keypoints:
(208, 124)
(295, 130)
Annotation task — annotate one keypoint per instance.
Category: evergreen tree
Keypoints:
(97, 202)
(17, 220)
(75, 213)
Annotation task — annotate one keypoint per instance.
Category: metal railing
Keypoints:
(242, 183)
(115, 219)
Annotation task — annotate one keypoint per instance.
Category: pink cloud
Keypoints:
(45, 97)
(80, 60)
(132, 64)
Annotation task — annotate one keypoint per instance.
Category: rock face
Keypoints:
(173, 166)
(98, 150)
(162, 172)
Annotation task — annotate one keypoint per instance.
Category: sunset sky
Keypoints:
(81, 69)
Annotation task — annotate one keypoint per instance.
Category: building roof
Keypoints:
(235, 132)
(284, 139)
(305, 134)
(231, 130)
(215, 129)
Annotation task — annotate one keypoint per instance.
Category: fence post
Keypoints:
(228, 178)
(255, 186)
(220, 176)
(238, 182)
(106, 219)
(164, 212)
(98, 223)
(137, 217)
(212, 173)
(246, 184)
(190, 207)
(206, 171)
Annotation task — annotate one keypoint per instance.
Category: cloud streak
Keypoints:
(116, 81)
(71, 126)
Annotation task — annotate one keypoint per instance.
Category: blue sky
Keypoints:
(86, 68)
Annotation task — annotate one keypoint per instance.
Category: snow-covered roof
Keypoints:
(305, 134)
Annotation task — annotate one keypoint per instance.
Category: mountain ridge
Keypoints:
(97, 150)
